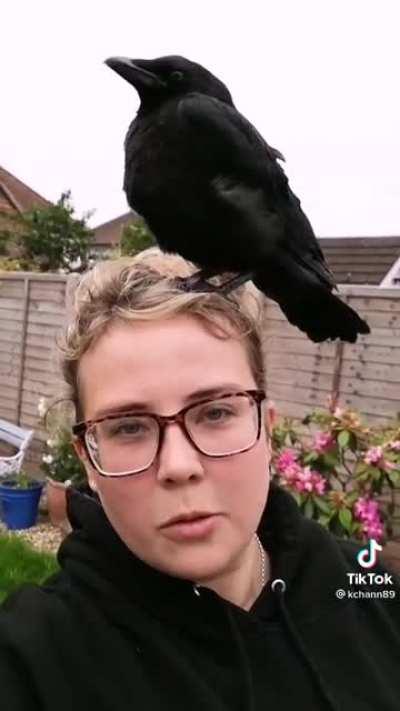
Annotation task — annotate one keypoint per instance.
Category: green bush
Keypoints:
(47, 238)
(135, 238)
(10, 265)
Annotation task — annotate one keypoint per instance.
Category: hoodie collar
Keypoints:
(96, 558)
(94, 542)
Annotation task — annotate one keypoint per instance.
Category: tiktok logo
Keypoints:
(371, 551)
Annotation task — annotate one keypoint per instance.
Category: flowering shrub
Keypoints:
(337, 472)
(59, 462)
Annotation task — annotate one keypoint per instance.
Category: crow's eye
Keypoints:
(176, 76)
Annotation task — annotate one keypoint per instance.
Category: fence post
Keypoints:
(337, 366)
(337, 372)
(27, 285)
(70, 287)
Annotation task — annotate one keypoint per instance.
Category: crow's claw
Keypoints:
(194, 283)
(234, 283)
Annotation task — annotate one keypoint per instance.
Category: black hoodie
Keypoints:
(110, 633)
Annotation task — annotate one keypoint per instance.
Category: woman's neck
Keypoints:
(243, 584)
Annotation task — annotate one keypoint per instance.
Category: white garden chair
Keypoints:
(20, 438)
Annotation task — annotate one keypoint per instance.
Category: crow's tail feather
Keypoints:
(330, 318)
(316, 311)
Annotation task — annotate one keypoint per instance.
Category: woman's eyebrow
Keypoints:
(137, 405)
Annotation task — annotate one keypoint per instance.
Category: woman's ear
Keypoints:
(81, 454)
(78, 447)
(270, 416)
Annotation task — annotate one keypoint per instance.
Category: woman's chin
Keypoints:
(199, 572)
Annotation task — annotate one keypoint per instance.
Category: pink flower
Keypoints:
(299, 485)
(286, 459)
(373, 455)
(319, 483)
(291, 473)
(322, 441)
(304, 480)
(289, 476)
(388, 466)
(367, 511)
(395, 445)
(373, 529)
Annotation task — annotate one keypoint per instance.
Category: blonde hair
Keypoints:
(142, 288)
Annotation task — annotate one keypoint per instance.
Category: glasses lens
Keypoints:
(123, 444)
(126, 444)
(224, 426)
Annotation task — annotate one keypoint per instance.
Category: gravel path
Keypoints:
(43, 537)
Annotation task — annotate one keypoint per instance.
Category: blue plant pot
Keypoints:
(19, 507)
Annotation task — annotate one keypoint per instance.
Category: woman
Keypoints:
(233, 607)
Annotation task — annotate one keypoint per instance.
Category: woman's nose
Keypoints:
(178, 458)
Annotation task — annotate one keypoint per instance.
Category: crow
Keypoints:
(212, 190)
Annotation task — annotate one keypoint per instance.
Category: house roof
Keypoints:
(360, 260)
(109, 233)
(15, 196)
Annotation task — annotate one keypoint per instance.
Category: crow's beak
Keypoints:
(134, 71)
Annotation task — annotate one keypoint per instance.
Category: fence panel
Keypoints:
(300, 374)
(364, 375)
(32, 313)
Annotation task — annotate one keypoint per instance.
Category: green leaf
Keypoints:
(345, 518)
(353, 442)
(363, 476)
(330, 460)
(322, 505)
(310, 457)
(355, 526)
(324, 520)
(296, 496)
(394, 476)
(352, 497)
(343, 439)
(309, 508)
(361, 468)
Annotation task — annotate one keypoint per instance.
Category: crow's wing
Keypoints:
(240, 153)
(222, 128)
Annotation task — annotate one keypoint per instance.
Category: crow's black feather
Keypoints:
(212, 190)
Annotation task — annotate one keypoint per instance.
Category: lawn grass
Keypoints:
(20, 563)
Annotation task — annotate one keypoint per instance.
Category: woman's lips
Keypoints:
(188, 530)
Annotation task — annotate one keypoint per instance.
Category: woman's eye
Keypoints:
(176, 76)
(128, 427)
(220, 412)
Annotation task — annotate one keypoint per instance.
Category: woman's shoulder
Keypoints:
(29, 610)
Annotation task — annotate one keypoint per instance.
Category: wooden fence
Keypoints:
(301, 375)
(32, 312)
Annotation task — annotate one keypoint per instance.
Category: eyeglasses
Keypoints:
(123, 444)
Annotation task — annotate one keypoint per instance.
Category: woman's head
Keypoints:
(134, 336)
(142, 288)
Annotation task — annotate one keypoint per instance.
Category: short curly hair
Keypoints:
(142, 288)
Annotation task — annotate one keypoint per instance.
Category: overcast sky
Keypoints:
(318, 78)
